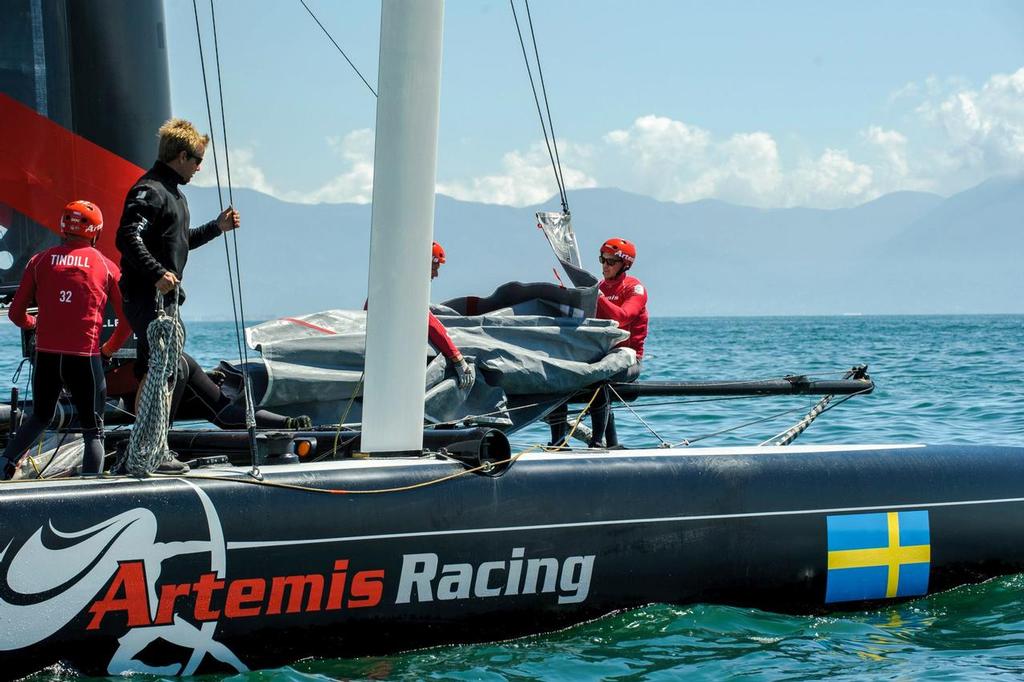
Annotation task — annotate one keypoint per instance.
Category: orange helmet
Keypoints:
(620, 248)
(437, 253)
(81, 219)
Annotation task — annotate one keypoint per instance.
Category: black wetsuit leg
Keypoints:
(199, 391)
(611, 436)
(139, 314)
(46, 387)
(83, 376)
(558, 420)
(600, 417)
(84, 379)
(182, 377)
(140, 310)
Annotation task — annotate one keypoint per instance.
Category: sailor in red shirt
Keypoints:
(437, 335)
(70, 284)
(622, 298)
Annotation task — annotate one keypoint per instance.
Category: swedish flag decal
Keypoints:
(878, 556)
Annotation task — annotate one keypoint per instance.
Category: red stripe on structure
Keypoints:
(43, 166)
(325, 330)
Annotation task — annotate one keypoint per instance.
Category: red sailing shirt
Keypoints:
(437, 336)
(70, 284)
(625, 301)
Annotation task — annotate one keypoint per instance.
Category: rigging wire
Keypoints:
(235, 278)
(789, 435)
(544, 127)
(547, 107)
(691, 441)
(664, 443)
(216, 171)
(231, 203)
(250, 408)
(331, 38)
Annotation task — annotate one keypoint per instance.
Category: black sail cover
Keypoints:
(522, 340)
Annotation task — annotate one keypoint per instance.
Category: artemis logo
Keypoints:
(420, 580)
(239, 598)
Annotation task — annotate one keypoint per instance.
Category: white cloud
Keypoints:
(244, 173)
(833, 179)
(893, 147)
(982, 130)
(674, 161)
(525, 178)
(951, 136)
(657, 140)
(355, 184)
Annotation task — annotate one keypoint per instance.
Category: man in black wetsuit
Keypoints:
(154, 238)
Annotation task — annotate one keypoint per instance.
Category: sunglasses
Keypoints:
(609, 261)
(198, 159)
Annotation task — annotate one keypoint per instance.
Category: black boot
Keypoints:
(557, 419)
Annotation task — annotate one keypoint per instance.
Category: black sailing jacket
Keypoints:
(154, 235)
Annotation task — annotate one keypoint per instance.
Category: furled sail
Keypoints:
(525, 340)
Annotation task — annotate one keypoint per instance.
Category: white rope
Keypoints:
(147, 446)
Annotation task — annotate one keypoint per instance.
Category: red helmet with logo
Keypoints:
(620, 248)
(437, 254)
(81, 219)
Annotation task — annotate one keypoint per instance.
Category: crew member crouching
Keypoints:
(438, 336)
(70, 284)
(622, 298)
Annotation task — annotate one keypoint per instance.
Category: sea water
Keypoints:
(941, 379)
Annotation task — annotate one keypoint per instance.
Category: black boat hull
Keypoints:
(216, 571)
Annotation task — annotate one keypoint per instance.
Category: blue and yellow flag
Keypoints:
(878, 556)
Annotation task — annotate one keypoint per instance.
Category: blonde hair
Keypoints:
(179, 135)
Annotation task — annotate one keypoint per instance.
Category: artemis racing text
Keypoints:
(420, 580)
(423, 579)
(240, 598)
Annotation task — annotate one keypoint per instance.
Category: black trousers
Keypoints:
(140, 311)
(196, 394)
(83, 377)
(601, 418)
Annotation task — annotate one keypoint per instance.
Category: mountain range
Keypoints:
(904, 253)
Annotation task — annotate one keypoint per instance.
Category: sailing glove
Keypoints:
(463, 373)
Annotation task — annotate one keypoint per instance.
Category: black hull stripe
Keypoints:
(619, 522)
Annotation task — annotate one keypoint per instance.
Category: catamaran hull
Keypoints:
(215, 572)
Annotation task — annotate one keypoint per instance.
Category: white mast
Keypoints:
(402, 227)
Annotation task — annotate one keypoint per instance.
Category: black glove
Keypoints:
(464, 376)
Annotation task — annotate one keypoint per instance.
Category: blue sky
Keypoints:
(760, 103)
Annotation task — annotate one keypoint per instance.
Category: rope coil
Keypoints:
(147, 446)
